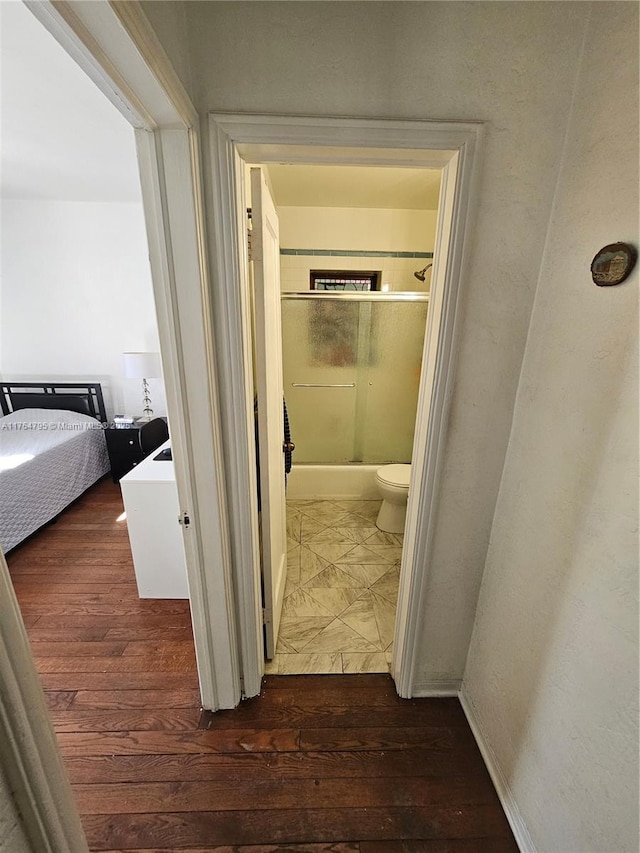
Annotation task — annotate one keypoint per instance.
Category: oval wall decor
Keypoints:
(613, 264)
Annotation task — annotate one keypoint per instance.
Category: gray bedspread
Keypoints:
(47, 459)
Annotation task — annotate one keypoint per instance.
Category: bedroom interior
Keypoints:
(82, 392)
(107, 650)
(74, 244)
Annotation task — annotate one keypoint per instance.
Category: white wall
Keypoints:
(552, 672)
(510, 65)
(61, 137)
(75, 294)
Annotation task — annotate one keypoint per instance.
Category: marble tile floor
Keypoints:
(339, 608)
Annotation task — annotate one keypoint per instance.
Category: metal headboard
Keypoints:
(84, 397)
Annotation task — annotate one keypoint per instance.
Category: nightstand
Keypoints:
(123, 446)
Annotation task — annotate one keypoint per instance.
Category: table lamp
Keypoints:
(145, 366)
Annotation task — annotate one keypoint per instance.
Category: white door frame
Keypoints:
(29, 755)
(452, 146)
(267, 346)
(115, 45)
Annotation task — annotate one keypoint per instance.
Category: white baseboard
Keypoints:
(505, 795)
(426, 689)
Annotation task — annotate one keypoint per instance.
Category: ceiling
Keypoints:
(296, 185)
(61, 138)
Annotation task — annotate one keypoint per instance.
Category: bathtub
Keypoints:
(344, 482)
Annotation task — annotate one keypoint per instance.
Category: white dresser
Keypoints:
(151, 503)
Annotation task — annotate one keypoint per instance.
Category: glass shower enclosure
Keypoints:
(351, 370)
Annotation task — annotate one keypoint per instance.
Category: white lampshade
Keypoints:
(141, 365)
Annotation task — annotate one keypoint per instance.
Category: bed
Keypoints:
(52, 448)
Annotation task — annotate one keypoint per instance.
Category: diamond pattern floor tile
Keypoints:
(355, 662)
(360, 616)
(334, 600)
(379, 537)
(332, 552)
(309, 527)
(338, 614)
(377, 554)
(385, 615)
(387, 586)
(365, 575)
(297, 633)
(337, 635)
(336, 578)
(300, 605)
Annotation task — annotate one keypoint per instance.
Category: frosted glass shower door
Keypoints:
(393, 365)
(320, 351)
(351, 376)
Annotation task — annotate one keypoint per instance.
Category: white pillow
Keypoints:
(50, 416)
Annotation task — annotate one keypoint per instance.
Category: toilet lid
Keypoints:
(395, 475)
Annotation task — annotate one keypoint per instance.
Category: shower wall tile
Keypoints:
(396, 272)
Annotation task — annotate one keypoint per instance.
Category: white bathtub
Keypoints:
(344, 482)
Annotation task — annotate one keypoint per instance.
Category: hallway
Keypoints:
(314, 764)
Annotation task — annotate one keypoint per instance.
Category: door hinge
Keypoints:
(249, 245)
(184, 519)
(267, 616)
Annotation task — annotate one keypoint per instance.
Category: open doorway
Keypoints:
(238, 140)
(86, 314)
(76, 294)
(356, 247)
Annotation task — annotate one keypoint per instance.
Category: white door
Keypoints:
(265, 253)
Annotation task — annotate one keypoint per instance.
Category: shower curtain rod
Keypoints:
(359, 296)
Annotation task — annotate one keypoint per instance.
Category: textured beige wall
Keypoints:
(169, 21)
(553, 664)
(511, 65)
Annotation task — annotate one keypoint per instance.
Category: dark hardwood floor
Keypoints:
(315, 764)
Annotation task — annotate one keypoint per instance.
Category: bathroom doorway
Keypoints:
(238, 139)
(356, 248)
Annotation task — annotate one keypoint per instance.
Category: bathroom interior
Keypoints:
(356, 252)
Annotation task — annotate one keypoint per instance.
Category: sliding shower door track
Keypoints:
(359, 296)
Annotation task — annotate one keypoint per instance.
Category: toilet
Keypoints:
(393, 484)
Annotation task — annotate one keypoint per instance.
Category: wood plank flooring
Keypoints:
(315, 764)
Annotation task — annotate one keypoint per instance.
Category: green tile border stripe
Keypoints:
(341, 253)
